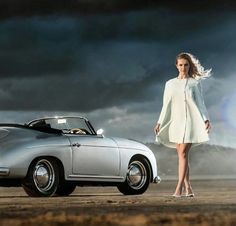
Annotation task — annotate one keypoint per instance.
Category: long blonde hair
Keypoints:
(196, 70)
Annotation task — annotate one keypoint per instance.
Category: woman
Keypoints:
(184, 120)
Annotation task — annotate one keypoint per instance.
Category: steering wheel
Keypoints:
(77, 131)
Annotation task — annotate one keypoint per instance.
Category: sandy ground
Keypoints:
(214, 204)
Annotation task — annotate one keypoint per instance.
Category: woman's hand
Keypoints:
(157, 128)
(208, 125)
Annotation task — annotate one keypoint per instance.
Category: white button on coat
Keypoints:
(183, 114)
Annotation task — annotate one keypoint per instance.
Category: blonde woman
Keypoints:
(184, 121)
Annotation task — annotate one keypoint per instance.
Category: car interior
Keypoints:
(43, 126)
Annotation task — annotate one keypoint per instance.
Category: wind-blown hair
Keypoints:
(196, 70)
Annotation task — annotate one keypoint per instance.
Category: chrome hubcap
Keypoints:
(137, 175)
(44, 175)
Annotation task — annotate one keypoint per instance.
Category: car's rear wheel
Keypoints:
(42, 178)
(138, 177)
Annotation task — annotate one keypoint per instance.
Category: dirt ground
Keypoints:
(214, 204)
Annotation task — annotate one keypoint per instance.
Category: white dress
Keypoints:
(183, 114)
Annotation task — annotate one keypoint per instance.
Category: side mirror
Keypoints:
(100, 132)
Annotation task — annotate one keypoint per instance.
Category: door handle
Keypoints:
(75, 144)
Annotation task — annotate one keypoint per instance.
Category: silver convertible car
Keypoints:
(51, 156)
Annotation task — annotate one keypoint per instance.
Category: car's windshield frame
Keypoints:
(86, 121)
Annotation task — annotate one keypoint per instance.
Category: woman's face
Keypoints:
(183, 66)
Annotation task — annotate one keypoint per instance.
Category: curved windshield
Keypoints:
(66, 125)
(3, 133)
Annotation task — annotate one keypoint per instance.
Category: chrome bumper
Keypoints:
(157, 180)
(4, 171)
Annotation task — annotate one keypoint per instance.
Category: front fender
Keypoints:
(129, 149)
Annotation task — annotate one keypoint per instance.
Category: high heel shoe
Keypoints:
(189, 195)
(176, 196)
(189, 192)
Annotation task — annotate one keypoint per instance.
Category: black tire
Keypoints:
(65, 188)
(42, 178)
(138, 177)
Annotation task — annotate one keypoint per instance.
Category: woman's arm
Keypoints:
(201, 105)
(166, 101)
(200, 102)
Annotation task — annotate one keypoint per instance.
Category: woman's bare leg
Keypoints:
(182, 150)
(186, 179)
(188, 188)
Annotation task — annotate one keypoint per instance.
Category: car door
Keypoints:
(94, 156)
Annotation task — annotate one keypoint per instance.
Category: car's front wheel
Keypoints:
(137, 179)
(42, 178)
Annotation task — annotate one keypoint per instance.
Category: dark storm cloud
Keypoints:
(109, 60)
(72, 93)
(10, 8)
(43, 46)
(103, 60)
(36, 47)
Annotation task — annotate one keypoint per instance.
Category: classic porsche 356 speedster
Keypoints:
(51, 156)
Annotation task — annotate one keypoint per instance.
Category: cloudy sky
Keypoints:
(109, 62)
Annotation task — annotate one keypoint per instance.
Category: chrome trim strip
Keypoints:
(4, 171)
(49, 145)
(96, 177)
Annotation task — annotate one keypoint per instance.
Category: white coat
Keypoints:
(183, 115)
